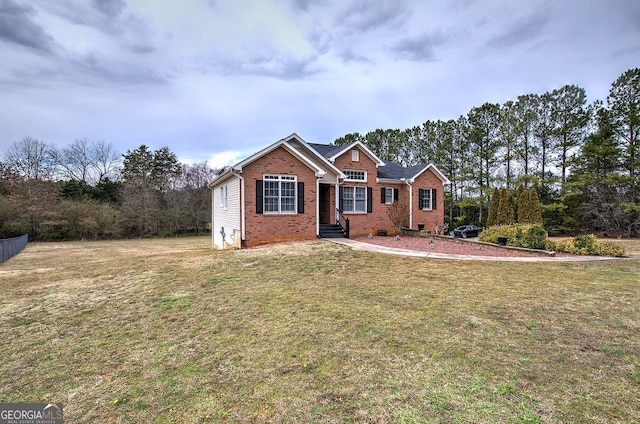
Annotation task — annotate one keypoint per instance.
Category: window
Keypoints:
(223, 197)
(353, 175)
(355, 155)
(279, 194)
(388, 195)
(354, 199)
(427, 198)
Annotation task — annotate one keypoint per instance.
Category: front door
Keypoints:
(325, 204)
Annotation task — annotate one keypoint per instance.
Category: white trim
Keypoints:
(365, 149)
(430, 191)
(337, 202)
(410, 204)
(385, 195)
(435, 170)
(242, 205)
(213, 217)
(364, 172)
(288, 147)
(354, 211)
(288, 178)
(224, 197)
(317, 207)
(315, 153)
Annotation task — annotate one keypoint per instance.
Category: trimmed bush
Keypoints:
(590, 245)
(530, 236)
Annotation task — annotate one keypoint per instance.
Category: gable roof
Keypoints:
(332, 152)
(284, 143)
(393, 171)
(326, 154)
(386, 170)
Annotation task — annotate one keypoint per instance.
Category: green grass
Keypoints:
(171, 331)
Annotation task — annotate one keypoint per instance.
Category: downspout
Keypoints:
(336, 218)
(317, 207)
(410, 203)
(213, 208)
(242, 203)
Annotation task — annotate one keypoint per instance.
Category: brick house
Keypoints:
(294, 190)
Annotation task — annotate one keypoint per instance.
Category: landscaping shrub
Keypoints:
(590, 245)
(530, 236)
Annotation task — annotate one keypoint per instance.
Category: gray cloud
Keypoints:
(110, 8)
(303, 5)
(17, 27)
(133, 71)
(369, 15)
(348, 55)
(629, 51)
(419, 48)
(278, 67)
(91, 68)
(110, 17)
(520, 31)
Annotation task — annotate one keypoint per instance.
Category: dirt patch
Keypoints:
(439, 245)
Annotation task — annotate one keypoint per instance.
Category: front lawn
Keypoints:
(171, 331)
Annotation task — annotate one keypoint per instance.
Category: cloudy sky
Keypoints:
(220, 79)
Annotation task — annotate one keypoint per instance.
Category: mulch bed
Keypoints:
(444, 245)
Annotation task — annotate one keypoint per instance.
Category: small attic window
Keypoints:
(355, 155)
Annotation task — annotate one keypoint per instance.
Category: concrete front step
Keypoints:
(330, 231)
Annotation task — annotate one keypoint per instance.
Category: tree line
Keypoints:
(582, 159)
(88, 190)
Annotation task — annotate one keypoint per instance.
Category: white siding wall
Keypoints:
(228, 218)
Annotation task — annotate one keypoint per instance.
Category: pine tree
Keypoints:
(522, 200)
(535, 215)
(505, 211)
(494, 205)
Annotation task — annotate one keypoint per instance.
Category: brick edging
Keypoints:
(424, 234)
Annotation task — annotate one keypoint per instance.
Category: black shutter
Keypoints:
(434, 199)
(340, 201)
(300, 197)
(382, 195)
(369, 200)
(420, 199)
(396, 194)
(259, 197)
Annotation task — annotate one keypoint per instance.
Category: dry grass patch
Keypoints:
(171, 331)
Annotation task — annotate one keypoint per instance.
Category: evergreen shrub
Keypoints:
(530, 236)
(590, 245)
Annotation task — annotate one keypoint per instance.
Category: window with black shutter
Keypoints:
(425, 199)
(279, 194)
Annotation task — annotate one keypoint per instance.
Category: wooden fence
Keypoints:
(12, 246)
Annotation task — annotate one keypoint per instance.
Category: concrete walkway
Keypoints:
(420, 254)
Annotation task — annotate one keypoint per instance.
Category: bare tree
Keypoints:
(107, 161)
(85, 161)
(30, 158)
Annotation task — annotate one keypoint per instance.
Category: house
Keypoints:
(295, 190)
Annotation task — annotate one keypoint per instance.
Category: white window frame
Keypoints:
(224, 197)
(355, 155)
(388, 196)
(354, 200)
(349, 175)
(427, 192)
(277, 207)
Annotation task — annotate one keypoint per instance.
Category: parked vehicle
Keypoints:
(466, 231)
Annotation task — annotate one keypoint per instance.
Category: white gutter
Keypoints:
(317, 207)
(410, 202)
(242, 203)
(213, 210)
(337, 196)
